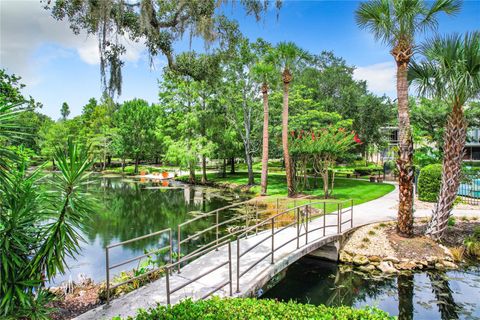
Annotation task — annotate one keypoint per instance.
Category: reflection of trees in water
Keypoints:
(351, 287)
(128, 211)
(443, 294)
(405, 285)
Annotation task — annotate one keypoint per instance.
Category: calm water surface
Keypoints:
(129, 208)
(425, 295)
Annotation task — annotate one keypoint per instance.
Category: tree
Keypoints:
(396, 23)
(65, 111)
(289, 56)
(264, 71)
(451, 73)
(136, 122)
(159, 24)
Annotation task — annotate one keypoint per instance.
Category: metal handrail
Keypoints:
(109, 267)
(171, 266)
(299, 220)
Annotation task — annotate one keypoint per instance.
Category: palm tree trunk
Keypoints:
(405, 296)
(287, 77)
(263, 179)
(405, 156)
(453, 149)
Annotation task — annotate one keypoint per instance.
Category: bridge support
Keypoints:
(328, 252)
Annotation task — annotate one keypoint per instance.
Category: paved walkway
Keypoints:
(286, 253)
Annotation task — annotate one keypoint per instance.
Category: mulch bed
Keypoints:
(76, 303)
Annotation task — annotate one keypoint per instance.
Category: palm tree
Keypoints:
(396, 23)
(263, 70)
(451, 73)
(290, 56)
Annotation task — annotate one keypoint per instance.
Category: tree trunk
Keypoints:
(136, 165)
(249, 161)
(109, 160)
(264, 177)
(224, 168)
(405, 156)
(453, 150)
(204, 169)
(232, 165)
(191, 175)
(287, 78)
(123, 164)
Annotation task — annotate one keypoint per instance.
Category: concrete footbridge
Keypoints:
(242, 247)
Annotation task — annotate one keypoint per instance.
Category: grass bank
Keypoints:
(358, 190)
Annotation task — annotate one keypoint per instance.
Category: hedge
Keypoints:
(249, 308)
(366, 171)
(429, 182)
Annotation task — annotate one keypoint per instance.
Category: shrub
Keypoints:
(248, 308)
(429, 182)
(366, 171)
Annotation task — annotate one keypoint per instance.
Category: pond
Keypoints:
(423, 295)
(129, 208)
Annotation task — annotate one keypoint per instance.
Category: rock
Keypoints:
(391, 259)
(345, 257)
(423, 262)
(448, 258)
(439, 266)
(367, 268)
(387, 267)
(449, 265)
(408, 265)
(374, 259)
(360, 260)
(432, 260)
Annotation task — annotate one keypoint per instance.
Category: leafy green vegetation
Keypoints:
(247, 308)
(429, 182)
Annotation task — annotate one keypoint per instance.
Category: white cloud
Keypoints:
(380, 77)
(25, 26)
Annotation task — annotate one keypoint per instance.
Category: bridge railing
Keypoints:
(109, 266)
(248, 212)
(227, 262)
(302, 219)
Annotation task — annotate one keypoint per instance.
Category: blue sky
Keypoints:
(58, 66)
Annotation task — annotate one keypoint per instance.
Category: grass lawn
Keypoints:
(358, 190)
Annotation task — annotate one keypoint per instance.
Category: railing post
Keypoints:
(339, 219)
(298, 227)
(273, 239)
(179, 245)
(306, 225)
(216, 219)
(256, 221)
(230, 267)
(171, 245)
(238, 265)
(167, 282)
(351, 214)
(324, 217)
(108, 275)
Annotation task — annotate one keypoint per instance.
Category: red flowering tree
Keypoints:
(320, 150)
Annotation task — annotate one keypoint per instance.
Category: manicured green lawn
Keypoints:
(358, 190)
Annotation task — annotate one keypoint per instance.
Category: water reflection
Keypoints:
(426, 295)
(129, 208)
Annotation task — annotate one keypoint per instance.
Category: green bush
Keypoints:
(248, 308)
(366, 171)
(429, 182)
